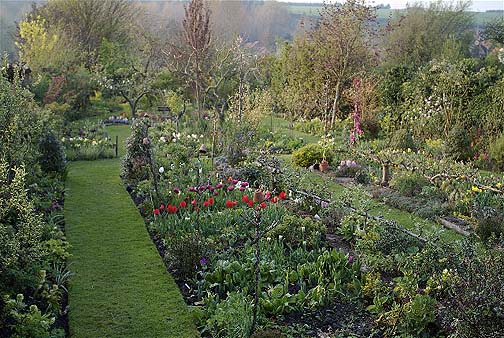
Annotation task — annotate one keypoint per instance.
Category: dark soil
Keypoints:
(344, 318)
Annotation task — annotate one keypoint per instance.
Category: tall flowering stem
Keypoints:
(356, 131)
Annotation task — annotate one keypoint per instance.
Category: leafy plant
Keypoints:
(408, 184)
(497, 152)
(297, 231)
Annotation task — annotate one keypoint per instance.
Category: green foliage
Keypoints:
(268, 334)
(184, 253)
(52, 154)
(28, 321)
(458, 144)
(309, 154)
(474, 296)
(20, 227)
(494, 30)
(497, 152)
(20, 126)
(135, 165)
(402, 140)
(297, 231)
(411, 318)
(409, 41)
(313, 126)
(409, 184)
(488, 210)
(231, 317)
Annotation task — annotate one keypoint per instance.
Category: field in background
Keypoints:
(384, 14)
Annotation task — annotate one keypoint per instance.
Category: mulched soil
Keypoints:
(343, 318)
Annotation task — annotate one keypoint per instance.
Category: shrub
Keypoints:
(184, 254)
(402, 140)
(474, 299)
(135, 165)
(490, 222)
(458, 144)
(52, 154)
(309, 155)
(297, 231)
(408, 184)
(497, 152)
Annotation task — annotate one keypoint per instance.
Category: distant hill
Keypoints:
(383, 14)
(12, 11)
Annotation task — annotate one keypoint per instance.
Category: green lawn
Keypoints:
(121, 287)
(280, 125)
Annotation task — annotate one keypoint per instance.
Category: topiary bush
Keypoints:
(497, 152)
(52, 153)
(135, 165)
(310, 154)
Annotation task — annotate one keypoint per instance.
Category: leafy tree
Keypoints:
(42, 46)
(20, 126)
(85, 23)
(420, 34)
(494, 30)
(126, 72)
(311, 73)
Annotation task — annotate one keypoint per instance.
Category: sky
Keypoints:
(477, 5)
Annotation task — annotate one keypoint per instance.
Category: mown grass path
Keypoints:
(120, 287)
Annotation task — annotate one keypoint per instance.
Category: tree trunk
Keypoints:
(240, 99)
(385, 174)
(335, 106)
(132, 108)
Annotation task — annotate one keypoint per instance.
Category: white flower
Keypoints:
(162, 139)
(303, 229)
(94, 143)
(161, 170)
(280, 237)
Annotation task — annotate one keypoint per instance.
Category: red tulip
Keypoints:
(263, 205)
(274, 199)
(211, 201)
(230, 204)
(250, 203)
(206, 203)
(282, 195)
(194, 203)
(161, 207)
(245, 199)
(183, 204)
(156, 211)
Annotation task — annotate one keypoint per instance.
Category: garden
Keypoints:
(347, 182)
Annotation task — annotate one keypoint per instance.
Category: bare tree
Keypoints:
(196, 54)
